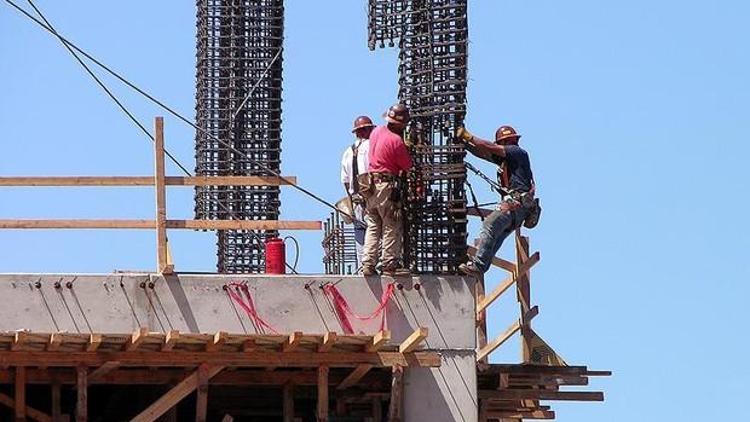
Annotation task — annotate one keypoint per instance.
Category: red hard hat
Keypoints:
(506, 132)
(397, 114)
(362, 122)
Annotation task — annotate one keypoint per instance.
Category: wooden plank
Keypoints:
(219, 339)
(322, 408)
(395, 411)
(19, 339)
(414, 340)
(136, 339)
(174, 396)
(379, 340)
(288, 398)
(82, 392)
(248, 346)
(377, 409)
(86, 224)
(292, 343)
(329, 340)
(102, 371)
(201, 402)
(354, 377)
(56, 396)
(523, 290)
(485, 351)
(31, 412)
(542, 395)
(20, 394)
(94, 181)
(161, 199)
(95, 340)
(258, 358)
(55, 340)
(507, 283)
(172, 337)
(531, 414)
(498, 262)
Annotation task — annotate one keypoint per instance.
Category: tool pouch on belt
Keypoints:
(535, 211)
(365, 185)
(396, 191)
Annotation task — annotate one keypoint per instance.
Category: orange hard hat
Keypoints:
(362, 122)
(398, 114)
(506, 132)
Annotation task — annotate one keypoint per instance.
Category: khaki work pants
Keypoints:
(383, 225)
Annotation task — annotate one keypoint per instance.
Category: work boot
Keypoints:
(396, 272)
(470, 268)
(368, 271)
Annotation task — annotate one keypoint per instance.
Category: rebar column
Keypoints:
(432, 36)
(238, 100)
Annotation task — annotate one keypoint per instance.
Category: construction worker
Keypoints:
(354, 163)
(517, 204)
(389, 160)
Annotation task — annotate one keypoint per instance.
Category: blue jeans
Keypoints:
(496, 227)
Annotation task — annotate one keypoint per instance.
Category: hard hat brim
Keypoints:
(366, 125)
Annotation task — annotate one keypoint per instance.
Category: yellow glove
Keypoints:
(464, 134)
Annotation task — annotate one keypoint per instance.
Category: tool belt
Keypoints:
(515, 200)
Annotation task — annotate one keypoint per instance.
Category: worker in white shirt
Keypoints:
(350, 169)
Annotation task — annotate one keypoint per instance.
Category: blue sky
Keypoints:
(635, 115)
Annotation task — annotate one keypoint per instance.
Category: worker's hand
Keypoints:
(464, 135)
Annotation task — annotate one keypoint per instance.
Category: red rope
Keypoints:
(343, 310)
(248, 305)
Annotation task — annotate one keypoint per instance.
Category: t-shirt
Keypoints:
(363, 150)
(388, 154)
(518, 168)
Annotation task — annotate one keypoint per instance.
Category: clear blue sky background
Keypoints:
(635, 114)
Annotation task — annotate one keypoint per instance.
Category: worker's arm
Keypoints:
(403, 159)
(480, 147)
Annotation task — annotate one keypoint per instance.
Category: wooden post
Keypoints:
(289, 402)
(396, 408)
(201, 403)
(377, 409)
(82, 391)
(479, 294)
(20, 405)
(523, 288)
(162, 253)
(323, 394)
(56, 395)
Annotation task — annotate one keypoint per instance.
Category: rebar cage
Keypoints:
(339, 246)
(238, 100)
(432, 36)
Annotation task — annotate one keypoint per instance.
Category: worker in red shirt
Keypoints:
(388, 161)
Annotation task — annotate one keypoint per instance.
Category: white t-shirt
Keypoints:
(363, 149)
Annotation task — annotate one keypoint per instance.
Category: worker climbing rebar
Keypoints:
(518, 205)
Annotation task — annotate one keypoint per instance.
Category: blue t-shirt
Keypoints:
(520, 178)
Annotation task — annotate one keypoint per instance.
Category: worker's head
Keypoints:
(397, 117)
(362, 127)
(506, 135)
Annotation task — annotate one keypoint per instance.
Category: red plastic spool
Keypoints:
(275, 256)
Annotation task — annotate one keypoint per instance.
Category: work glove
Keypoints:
(464, 135)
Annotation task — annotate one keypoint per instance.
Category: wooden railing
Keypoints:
(160, 223)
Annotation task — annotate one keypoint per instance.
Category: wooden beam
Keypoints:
(95, 340)
(18, 340)
(377, 409)
(507, 283)
(379, 340)
(354, 377)
(329, 340)
(414, 340)
(82, 224)
(527, 394)
(490, 347)
(258, 358)
(396, 408)
(174, 396)
(292, 342)
(322, 408)
(531, 414)
(219, 339)
(20, 394)
(55, 340)
(94, 181)
(32, 413)
(248, 346)
(498, 262)
(82, 392)
(201, 402)
(170, 340)
(288, 393)
(161, 199)
(136, 339)
(102, 371)
(56, 396)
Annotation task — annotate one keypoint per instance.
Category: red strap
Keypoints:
(248, 305)
(343, 310)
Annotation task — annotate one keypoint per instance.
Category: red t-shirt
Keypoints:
(388, 154)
